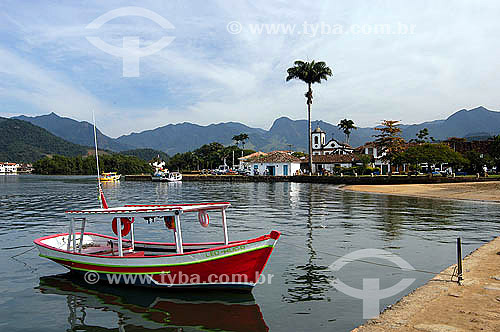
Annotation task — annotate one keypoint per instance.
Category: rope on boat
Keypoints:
(370, 262)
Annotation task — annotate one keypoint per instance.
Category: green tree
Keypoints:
(310, 73)
(365, 162)
(494, 152)
(208, 156)
(299, 154)
(61, 165)
(241, 138)
(432, 154)
(476, 161)
(389, 142)
(423, 136)
(454, 141)
(347, 126)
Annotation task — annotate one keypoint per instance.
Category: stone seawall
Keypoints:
(338, 180)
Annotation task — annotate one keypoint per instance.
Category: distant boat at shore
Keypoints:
(166, 176)
(110, 177)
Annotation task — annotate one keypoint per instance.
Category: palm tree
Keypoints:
(347, 126)
(236, 138)
(241, 138)
(310, 73)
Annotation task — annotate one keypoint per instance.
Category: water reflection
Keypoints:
(394, 215)
(310, 282)
(146, 310)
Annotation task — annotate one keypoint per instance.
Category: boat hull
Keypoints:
(235, 266)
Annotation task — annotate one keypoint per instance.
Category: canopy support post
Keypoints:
(224, 224)
(70, 232)
(73, 237)
(81, 236)
(120, 245)
(132, 237)
(176, 238)
(180, 249)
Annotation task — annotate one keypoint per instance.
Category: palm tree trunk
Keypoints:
(309, 133)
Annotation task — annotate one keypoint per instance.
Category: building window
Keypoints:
(315, 139)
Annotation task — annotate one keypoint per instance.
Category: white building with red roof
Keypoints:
(8, 168)
(276, 163)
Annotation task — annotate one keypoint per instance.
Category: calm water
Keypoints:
(315, 220)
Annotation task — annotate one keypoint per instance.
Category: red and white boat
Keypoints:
(118, 260)
(121, 260)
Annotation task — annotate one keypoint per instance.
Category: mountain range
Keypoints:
(78, 132)
(285, 133)
(22, 141)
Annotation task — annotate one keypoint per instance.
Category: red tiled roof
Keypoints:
(253, 155)
(335, 158)
(275, 157)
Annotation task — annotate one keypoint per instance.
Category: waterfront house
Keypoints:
(8, 168)
(385, 166)
(329, 162)
(277, 163)
(25, 168)
(245, 163)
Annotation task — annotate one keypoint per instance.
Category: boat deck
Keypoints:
(102, 245)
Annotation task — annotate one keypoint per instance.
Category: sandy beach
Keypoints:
(477, 191)
(442, 305)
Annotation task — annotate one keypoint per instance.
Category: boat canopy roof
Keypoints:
(148, 209)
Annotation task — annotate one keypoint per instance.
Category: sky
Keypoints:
(142, 65)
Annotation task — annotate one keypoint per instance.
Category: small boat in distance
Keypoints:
(166, 176)
(109, 177)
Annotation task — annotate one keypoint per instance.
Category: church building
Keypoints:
(320, 147)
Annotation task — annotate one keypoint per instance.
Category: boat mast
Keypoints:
(97, 161)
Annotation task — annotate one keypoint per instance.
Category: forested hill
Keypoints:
(78, 132)
(146, 154)
(22, 141)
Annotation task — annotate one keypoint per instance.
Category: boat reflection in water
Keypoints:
(146, 310)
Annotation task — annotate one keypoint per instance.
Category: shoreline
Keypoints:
(470, 191)
(443, 305)
(335, 180)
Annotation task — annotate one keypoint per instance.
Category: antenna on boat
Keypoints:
(102, 200)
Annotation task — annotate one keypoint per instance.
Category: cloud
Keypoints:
(208, 75)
